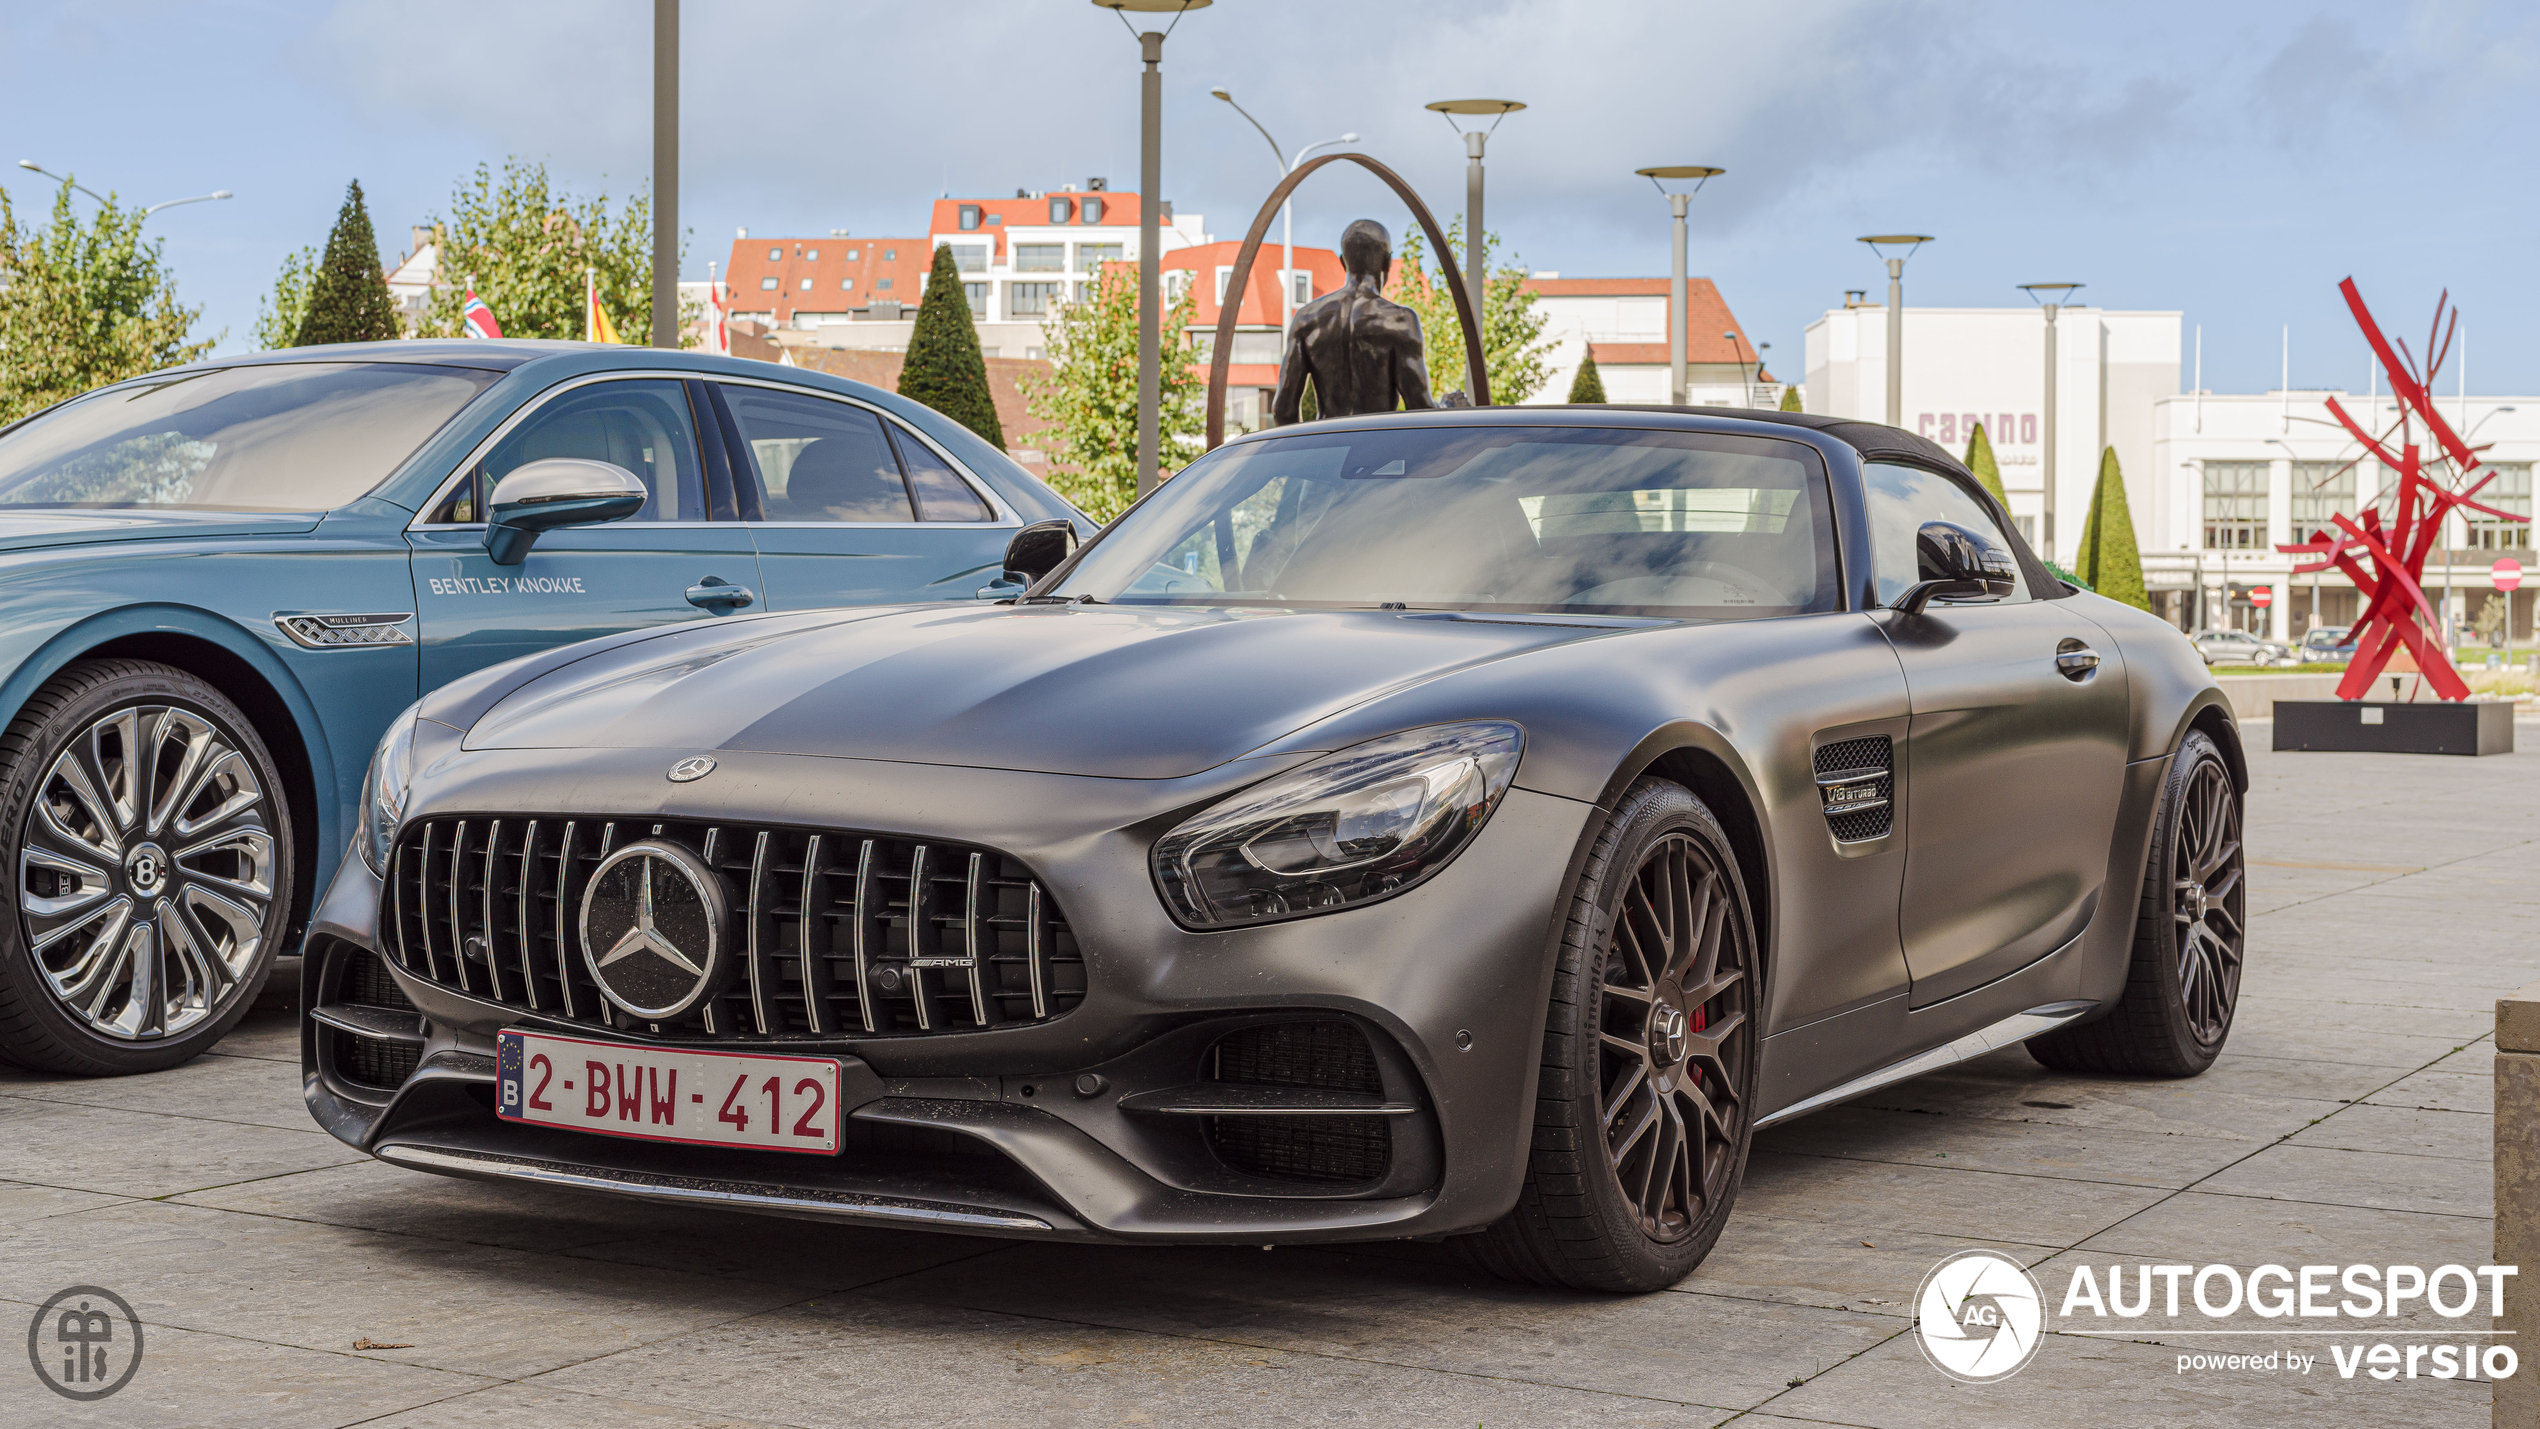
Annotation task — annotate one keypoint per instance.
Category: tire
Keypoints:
(2190, 932)
(1625, 1062)
(147, 899)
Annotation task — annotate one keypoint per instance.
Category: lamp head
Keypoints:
(1881, 242)
(1153, 7)
(2049, 293)
(1700, 174)
(1222, 93)
(1477, 106)
(1352, 139)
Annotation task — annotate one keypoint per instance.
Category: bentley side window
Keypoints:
(642, 425)
(818, 460)
(941, 493)
(1902, 498)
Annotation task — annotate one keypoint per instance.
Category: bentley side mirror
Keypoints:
(1956, 563)
(1037, 549)
(559, 491)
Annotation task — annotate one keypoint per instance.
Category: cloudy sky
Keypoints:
(2231, 160)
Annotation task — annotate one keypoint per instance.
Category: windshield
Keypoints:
(297, 436)
(1597, 520)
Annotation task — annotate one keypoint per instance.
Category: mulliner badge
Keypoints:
(1979, 1317)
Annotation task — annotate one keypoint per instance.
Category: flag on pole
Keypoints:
(596, 326)
(476, 319)
(718, 317)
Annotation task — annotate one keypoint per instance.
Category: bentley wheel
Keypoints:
(152, 877)
(2189, 933)
(1642, 1116)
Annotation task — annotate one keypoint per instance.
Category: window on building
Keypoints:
(1090, 211)
(846, 285)
(2235, 505)
(890, 255)
(1030, 299)
(1040, 258)
(1225, 275)
(1301, 283)
(969, 217)
(2321, 490)
(977, 293)
(851, 254)
(767, 285)
(1061, 210)
(969, 257)
(1177, 285)
(775, 255)
(813, 255)
(806, 285)
(881, 285)
(996, 218)
(2510, 491)
(1091, 256)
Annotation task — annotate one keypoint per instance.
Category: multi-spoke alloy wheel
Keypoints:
(2189, 934)
(152, 870)
(1643, 1105)
(1672, 1040)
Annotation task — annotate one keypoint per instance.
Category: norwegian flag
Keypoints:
(476, 319)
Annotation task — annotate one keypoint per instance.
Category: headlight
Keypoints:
(384, 790)
(1350, 828)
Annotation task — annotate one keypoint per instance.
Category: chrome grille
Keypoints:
(1856, 778)
(841, 934)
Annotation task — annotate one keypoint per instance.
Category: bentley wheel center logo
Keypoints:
(654, 917)
(1979, 1316)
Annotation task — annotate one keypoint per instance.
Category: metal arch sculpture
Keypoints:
(1222, 353)
(2393, 585)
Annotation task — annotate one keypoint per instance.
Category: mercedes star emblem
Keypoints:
(654, 917)
(695, 766)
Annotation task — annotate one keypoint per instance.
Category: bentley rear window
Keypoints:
(292, 436)
(1625, 521)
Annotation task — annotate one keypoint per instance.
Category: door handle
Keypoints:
(2075, 661)
(715, 591)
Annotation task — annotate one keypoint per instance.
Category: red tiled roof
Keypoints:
(826, 264)
(1260, 304)
(1707, 316)
(1118, 211)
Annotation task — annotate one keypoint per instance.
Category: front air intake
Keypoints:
(1330, 1150)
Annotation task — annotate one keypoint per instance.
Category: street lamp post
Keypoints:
(666, 173)
(34, 167)
(1287, 213)
(1746, 384)
(1150, 234)
(2051, 297)
(1677, 203)
(1896, 314)
(1498, 109)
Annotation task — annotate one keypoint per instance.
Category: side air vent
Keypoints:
(1857, 780)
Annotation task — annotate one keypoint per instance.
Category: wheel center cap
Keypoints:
(146, 869)
(1667, 1030)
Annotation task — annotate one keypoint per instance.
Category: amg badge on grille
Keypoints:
(695, 766)
(655, 920)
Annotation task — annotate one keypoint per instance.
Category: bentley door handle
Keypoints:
(2075, 661)
(715, 591)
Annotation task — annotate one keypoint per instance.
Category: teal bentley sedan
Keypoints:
(219, 584)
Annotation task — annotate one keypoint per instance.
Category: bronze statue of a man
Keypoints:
(1363, 351)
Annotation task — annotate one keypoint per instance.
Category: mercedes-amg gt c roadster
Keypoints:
(1466, 825)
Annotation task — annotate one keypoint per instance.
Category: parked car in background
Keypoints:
(1467, 824)
(2329, 644)
(221, 581)
(2239, 647)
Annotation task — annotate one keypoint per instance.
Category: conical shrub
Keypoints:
(944, 369)
(2109, 560)
(349, 299)
(1587, 386)
(1980, 461)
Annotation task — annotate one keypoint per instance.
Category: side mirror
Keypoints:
(1957, 563)
(1037, 549)
(559, 491)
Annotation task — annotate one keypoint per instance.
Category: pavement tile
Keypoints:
(468, 1308)
(211, 1089)
(2337, 1020)
(2440, 1091)
(2201, 1228)
(2255, 1037)
(970, 1369)
(2439, 1184)
(21, 1202)
(1933, 1199)
(2467, 1135)
(2095, 1153)
(1870, 1269)
(543, 1407)
(1688, 1348)
(268, 1033)
(126, 1153)
(190, 1379)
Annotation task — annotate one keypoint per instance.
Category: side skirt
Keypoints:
(2011, 1030)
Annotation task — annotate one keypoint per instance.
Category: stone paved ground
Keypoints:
(2348, 1121)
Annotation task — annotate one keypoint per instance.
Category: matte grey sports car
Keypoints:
(1461, 824)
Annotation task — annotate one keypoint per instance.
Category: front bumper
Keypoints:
(1050, 1129)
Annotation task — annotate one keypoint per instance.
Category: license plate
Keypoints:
(762, 1103)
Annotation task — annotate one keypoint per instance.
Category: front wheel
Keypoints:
(1644, 1108)
(152, 874)
(2191, 927)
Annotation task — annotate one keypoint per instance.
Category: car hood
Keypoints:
(1093, 690)
(58, 526)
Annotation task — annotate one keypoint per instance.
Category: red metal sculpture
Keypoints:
(2396, 614)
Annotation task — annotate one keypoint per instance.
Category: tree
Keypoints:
(1980, 461)
(1790, 400)
(2108, 561)
(278, 314)
(1512, 326)
(1090, 396)
(943, 368)
(82, 305)
(524, 245)
(1587, 386)
(348, 297)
